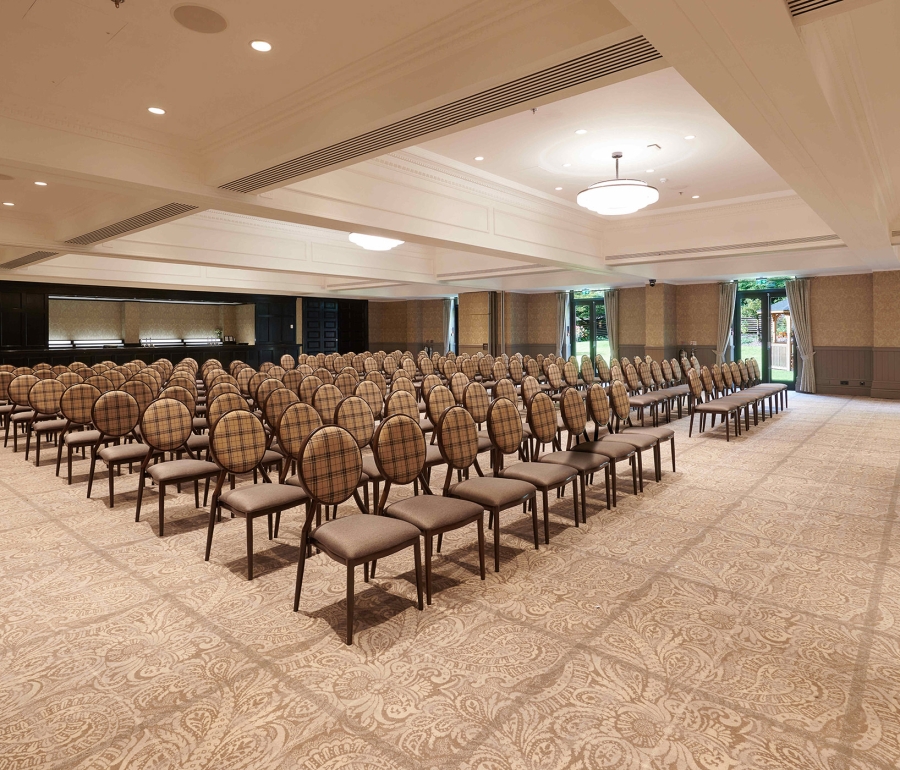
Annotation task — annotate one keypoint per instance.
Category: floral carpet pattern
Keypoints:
(742, 613)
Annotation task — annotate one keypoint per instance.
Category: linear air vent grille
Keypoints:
(729, 247)
(28, 259)
(132, 223)
(799, 7)
(607, 61)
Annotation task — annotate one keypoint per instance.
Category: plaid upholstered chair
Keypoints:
(329, 466)
(638, 400)
(458, 442)
(621, 412)
(76, 404)
(325, 400)
(115, 415)
(399, 452)
(265, 389)
(476, 401)
(19, 388)
(307, 388)
(238, 445)
(400, 401)
(586, 464)
(371, 394)
(605, 443)
(542, 476)
(504, 388)
(530, 387)
(458, 384)
(354, 416)
(439, 400)
(6, 406)
(219, 388)
(166, 427)
(141, 392)
(43, 398)
(728, 408)
(346, 381)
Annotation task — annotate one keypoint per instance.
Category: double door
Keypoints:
(763, 330)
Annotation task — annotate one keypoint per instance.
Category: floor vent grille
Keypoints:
(607, 61)
(799, 7)
(132, 223)
(729, 247)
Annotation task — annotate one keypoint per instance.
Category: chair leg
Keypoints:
(495, 516)
(162, 508)
(672, 441)
(612, 473)
(634, 473)
(575, 484)
(301, 565)
(59, 450)
(91, 473)
(197, 493)
(417, 555)
(69, 464)
(546, 516)
(481, 543)
(249, 546)
(350, 569)
(607, 487)
(112, 492)
(428, 540)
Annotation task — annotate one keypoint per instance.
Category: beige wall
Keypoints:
(131, 321)
(886, 309)
(474, 321)
(632, 316)
(696, 313)
(840, 310)
(660, 305)
(406, 324)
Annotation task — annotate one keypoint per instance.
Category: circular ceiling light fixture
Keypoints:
(558, 188)
(650, 170)
(156, 110)
(479, 157)
(374, 242)
(581, 131)
(615, 197)
(41, 184)
(695, 197)
(196, 18)
(261, 45)
(566, 165)
(690, 136)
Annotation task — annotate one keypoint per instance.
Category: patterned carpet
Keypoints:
(743, 613)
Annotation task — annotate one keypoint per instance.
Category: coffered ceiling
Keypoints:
(368, 118)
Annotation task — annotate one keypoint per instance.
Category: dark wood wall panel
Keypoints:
(630, 351)
(846, 370)
(335, 325)
(886, 372)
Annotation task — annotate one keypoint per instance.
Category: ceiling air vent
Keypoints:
(799, 7)
(729, 247)
(132, 223)
(28, 259)
(606, 61)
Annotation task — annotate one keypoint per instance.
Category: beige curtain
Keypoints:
(562, 323)
(727, 297)
(611, 302)
(798, 303)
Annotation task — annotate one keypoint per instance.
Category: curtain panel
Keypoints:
(448, 325)
(611, 303)
(727, 298)
(798, 303)
(562, 323)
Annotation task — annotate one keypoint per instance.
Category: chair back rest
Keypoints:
(706, 380)
(330, 465)
(401, 402)
(399, 449)
(219, 388)
(44, 396)
(100, 382)
(19, 388)
(516, 371)
(182, 395)
(296, 425)
(276, 403)
(6, 377)
(499, 370)
(694, 384)
(141, 392)
(505, 426)
(646, 376)
(597, 403)
(354, 416)
(574, 412)
(370, 393)
(346, 382)
(504, 389)
(542, 418)
(254, 383)
(618, 396)
(530, 388)
(457, 438)
(237, 443)
(222, 404)
(287, 361)
(116, 378)
(308, 386)
(439, 399)
(325, 400)
(631, 377)
(267, 388)
(726, 376)
(403, 383)
(166, 424)
(68, 379)
(736, 374)
(476, 401)
(115, 413)
(77, 402)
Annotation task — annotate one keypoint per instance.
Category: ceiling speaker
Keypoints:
(199, 19)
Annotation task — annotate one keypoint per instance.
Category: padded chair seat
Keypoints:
(352, 538)
(270, 456)
(433, 512)
(612, 449)
(638, 440)
(586, 462)
(677, 390)
(263, 497)
(181, 470)
(426, 425)
(22, 416)
(662, 433)
(124, 453)
(719, 406)
(82, 438)
(484, 443)
(370, 469)
(49, 426)
(647, 399)
(433, 456)
(492, 492)
(198, 443)
(540, 474)
(294, 481)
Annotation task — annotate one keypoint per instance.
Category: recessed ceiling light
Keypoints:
(690, 136)
(559, 188)
(156, 110)
(650, 170)
(479, 157)
(566, 165)
(261, 45)
(7, 203)
(41, 184)
(695, 196)
(581, 131)
(374, 242)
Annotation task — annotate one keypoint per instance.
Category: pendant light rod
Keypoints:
(617, 155)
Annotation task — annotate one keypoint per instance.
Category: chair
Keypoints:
(76, 404)
(329, 466)
(44, 400)
(166, 427)
(458, 443)
(399, 452)
(115, 414)
(22, 414)
(727, 408)
(621, 409)
(238, 445)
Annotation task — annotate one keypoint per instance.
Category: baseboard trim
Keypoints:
(843, 390)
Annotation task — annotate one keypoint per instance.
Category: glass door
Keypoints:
(589, 333)
(762, 330)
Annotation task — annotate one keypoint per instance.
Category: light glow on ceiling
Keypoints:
(156, 110)
(8, 203)
(479, 157)
(374, 242)
(690, 136)
(41, 184)
(261, 45)
(581, 131)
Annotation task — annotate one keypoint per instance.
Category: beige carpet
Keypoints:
(743, 613)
